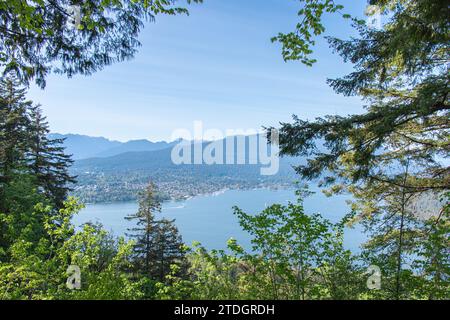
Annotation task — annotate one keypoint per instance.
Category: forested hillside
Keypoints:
(121, 177)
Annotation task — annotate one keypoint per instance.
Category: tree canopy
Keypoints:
(395, 153)
(401, 72)
(40, 36)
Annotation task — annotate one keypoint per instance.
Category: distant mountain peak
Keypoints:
(83, 146)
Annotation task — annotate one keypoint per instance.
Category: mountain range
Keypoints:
(84, 147)
(113, 171)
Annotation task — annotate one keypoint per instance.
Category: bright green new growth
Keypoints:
(388, 158)
(397, 151)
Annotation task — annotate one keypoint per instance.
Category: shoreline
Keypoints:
(207, 194)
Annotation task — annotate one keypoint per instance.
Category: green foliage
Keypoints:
(103, 262)
(47, 159)
(402, 72)
(294, 256)
(298, 45)
(37, 240)
(300, 253)
(37, 269)
(13, 127)
(37, 38)
(397, 151)
(158, 250)
(299, 256)
(31, 268)
(434, 252)
(388, 158)
(25, 148)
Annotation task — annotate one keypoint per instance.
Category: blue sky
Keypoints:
(217, 65)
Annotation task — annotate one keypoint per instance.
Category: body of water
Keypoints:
(209, 219)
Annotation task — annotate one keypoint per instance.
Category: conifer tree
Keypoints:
(432, 255)
(47, 160)
(401, 71)
(13, 126)
(167, 250)
(73, 37)
(394, 235)
(158, 243)
(143, 232)
(33, 168)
